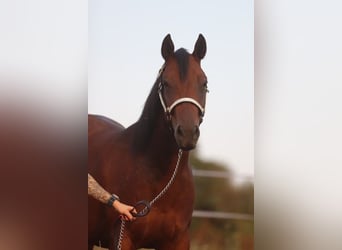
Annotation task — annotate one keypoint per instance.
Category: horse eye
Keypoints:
(205, 87)
(165, 84)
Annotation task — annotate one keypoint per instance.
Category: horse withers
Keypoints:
(139, 162)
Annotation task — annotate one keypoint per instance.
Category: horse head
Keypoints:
(182, 90)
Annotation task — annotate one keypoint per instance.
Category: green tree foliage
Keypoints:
(221, 194)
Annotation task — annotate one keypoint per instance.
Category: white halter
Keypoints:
(168, 109)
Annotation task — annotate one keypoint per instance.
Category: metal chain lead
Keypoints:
(122, 227)
(180, 152)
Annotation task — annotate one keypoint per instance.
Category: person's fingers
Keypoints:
(126, 213)
(124, 217)
(129, 216)
(132, 210)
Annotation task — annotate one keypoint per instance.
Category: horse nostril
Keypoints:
(180, 131)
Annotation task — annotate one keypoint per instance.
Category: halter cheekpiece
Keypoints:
(168, 109)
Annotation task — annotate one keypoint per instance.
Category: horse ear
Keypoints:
(167, 47)
(200, 47)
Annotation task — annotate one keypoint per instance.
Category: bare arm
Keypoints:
(96, 191)
(99, 193)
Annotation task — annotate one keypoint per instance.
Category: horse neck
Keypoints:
(159, 149)
(162, 146)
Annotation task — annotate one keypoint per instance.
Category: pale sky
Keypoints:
(124, 58)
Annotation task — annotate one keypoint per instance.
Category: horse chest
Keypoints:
(171, 215)
(159, 226)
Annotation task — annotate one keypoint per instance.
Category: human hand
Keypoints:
(124, 210)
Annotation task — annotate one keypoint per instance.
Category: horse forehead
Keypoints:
(194, 70)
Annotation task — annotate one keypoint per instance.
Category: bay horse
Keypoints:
(138, 162)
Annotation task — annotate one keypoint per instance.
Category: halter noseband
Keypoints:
(168, 109)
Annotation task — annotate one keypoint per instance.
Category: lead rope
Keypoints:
(122, 227)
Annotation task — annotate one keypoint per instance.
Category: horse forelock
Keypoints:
(182, 58)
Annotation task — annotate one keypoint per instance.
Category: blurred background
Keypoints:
(223, 216)
(124, 58)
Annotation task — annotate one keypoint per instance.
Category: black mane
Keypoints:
(153, 109)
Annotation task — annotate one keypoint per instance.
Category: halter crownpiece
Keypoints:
(168, 109)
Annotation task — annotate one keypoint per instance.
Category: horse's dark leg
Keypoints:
(181, 243)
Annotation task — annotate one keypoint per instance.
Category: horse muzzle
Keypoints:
(186, 136)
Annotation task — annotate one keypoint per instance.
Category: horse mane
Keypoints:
(153, 109)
